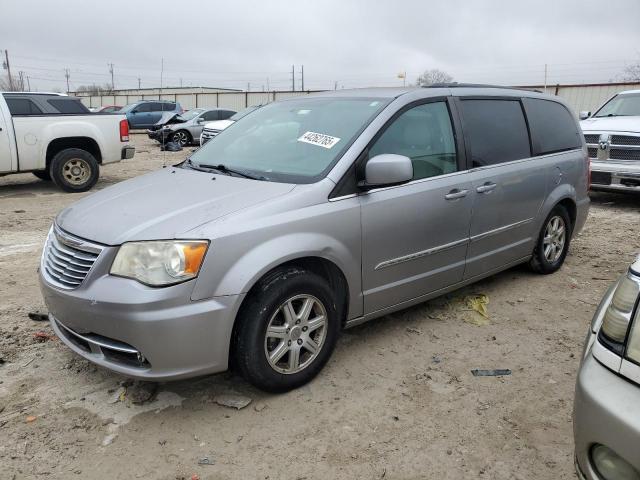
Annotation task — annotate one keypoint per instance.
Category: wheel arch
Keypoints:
(323, 267)
(564, 195)
(83, 143)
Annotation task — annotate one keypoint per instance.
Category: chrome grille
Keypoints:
(66, 259)
(621, 147)
(624, 140)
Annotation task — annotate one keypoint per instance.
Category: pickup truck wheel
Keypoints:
(553, 242)
(182, 137)
(287, 330)
(43, 175)
(74, 170)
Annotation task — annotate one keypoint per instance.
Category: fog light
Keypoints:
(610, 466)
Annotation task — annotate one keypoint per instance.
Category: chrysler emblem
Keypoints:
(604, 144)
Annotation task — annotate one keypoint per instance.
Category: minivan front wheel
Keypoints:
(287, 330)
(553, 242)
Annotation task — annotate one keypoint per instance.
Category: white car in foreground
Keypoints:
(613, 140)
(211, 129)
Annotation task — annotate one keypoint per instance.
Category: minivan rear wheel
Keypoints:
(287, 330)
(553, 242)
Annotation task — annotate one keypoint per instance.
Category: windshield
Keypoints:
(237, 116)
(295, 141)
(621, 105)
(191, 113)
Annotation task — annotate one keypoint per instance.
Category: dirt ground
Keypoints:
(396, 401)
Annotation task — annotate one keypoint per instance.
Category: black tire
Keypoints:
(43, 175)
(182, 137)
(539, 262)
(64, 164)
(251, 345)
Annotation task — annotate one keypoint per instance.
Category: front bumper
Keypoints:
(127, 152)
(161, 135)
(142, 332)
(615, 176)
(605, 412)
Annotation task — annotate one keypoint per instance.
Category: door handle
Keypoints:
(455, 194)
(486, 188)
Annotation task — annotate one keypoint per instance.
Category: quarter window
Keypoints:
(495, 130)
(553, 128)
(68, 105)
(423, 134)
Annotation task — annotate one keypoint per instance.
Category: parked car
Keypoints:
(108, 109)
(145, 113)
(56, 138)
(310, 215)
(212, 129)
(613, 140)
(606, 418)
(184, 128)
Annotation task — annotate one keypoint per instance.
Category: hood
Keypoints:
(168, 117)
(218, 124)
(162, 205)
(611, 124)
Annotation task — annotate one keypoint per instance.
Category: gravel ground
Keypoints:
(396, 401)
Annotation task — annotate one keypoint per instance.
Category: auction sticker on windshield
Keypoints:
(319, 139)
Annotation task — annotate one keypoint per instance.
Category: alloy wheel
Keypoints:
(554, 239)
(295, 334)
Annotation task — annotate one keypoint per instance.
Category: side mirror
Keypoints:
(584, 115)
(387, 169)
(200, 120)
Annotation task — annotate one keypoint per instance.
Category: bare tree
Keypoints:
(95, 89)
(631, 73)
(15, 85)
(429, 77)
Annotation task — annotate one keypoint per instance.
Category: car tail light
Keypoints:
(124, 131)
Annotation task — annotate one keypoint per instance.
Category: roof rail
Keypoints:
(474, 85)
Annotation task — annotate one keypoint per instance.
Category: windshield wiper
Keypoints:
(224, 169)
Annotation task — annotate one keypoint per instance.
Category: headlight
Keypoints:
(618, 315)
(160, 263)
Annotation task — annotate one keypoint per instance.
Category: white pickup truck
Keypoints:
(56, 138)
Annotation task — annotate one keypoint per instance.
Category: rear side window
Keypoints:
(163, 107)
(22, 106)
(495, 130)
(553, 128)
(68, 105)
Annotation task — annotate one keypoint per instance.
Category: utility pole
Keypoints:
(545, 78)
(180, 83)
(335, 85)
(161, 74)
(28, 84)
(67, 75)
(302, 77)
(21, 77)
(268, 84)
(8, 68)
(113, 85)
(138, 83)
(293, 78)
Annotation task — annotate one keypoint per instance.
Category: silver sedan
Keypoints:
(186, 128)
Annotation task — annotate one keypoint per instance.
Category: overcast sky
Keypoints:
(351, 42)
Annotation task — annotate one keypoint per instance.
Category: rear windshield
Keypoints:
(295, 141)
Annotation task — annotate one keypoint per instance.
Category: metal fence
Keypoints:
(231, 100)
(580, 97)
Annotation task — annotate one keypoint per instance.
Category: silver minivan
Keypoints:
(308, 216)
